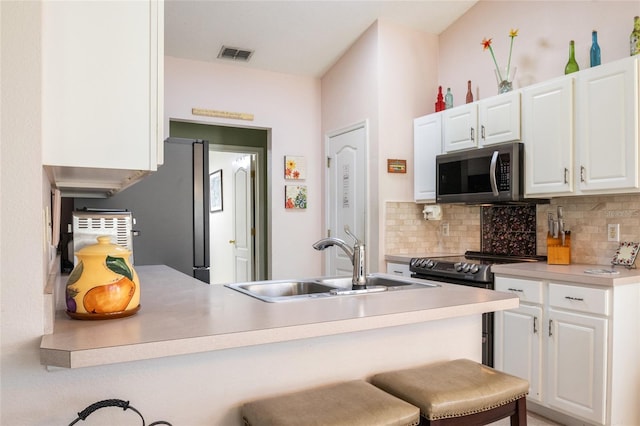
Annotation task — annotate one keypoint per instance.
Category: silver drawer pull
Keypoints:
(579, 299)
(518, 290)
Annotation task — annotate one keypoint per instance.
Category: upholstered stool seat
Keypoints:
(353, 403)
(459, 392)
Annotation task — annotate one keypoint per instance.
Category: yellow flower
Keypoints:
(513, 33)
(291, 164)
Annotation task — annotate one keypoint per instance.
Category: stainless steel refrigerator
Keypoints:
(171, 210)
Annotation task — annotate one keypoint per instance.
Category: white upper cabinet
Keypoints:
(581, 132)
(427, 143)
(460, 127)
(607, 127)
(102, 81)
(486, 122)
(547, 111)
(499, 119)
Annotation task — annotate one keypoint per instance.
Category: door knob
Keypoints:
(232, 241)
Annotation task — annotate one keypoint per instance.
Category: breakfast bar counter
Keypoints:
(224, 348)
(180, 315)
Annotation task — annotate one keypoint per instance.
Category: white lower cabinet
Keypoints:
(577, 372)
(401, 269)
(575, 344)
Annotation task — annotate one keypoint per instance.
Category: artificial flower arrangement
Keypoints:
(486, 44)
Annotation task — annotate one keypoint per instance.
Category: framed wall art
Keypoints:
(295, 197)
(295, 168)
(215, 191)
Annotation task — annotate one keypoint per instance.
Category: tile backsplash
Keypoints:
(587, 217)
(509, 230)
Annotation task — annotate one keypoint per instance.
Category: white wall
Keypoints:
(541, 49)
(289, 106)
(383, 78)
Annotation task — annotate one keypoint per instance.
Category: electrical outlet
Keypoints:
(613, 232)
(444, 229)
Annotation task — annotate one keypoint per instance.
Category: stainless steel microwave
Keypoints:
(486, 175)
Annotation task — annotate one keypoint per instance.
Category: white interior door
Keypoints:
(243, 241)
(346, 192)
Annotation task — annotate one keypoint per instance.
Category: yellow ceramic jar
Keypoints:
(103, 284)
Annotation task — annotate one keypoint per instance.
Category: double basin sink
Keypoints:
(290, 290)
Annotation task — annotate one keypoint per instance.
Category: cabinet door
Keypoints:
(577, 371)
(548, 136)
(102, 85)
(518, 345)
(427, 143)
(460, 127)
(607, 132)
(499, 119)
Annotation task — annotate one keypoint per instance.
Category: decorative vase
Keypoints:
(448, 99)
(594, 52)
(469, 98)
(505, 78)
(103, 284)
(634, 38)
(572, 65)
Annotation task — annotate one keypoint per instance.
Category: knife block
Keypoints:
(557, 253)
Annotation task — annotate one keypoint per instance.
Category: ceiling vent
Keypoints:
(235, 54)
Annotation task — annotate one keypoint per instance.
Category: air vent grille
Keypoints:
(235, 54)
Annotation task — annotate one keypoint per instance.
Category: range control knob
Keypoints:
(465, 267)
(474, 269)
(458, 266)
(430, 264)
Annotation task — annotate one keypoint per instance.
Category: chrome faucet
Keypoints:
(356, 255)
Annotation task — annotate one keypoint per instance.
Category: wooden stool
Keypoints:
(354, 403)
(460, 392)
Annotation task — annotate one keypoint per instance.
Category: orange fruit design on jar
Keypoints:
(103, 284)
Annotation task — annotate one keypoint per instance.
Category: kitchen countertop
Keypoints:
(180, 315)
(571, 273)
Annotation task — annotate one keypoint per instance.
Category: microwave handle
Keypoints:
(492, 173)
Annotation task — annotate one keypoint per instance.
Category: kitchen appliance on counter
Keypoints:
(481, 176)
(471, 269)
(88, 224)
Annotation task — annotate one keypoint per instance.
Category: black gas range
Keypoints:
(471, 269)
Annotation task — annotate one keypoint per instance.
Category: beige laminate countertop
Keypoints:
(571, 273)
(180, 315)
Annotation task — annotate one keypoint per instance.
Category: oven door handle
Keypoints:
(492, 173)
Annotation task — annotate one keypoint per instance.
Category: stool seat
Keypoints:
(453, 389)
(353, 403)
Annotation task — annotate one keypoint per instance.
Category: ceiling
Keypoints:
(301, 37)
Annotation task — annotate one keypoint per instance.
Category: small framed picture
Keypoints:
(215, 191)
(295, 168)
(295, 197)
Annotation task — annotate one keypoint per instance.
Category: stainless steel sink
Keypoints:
(283, 291)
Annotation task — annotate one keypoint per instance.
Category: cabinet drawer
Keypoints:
(577, 298)
(527, 290)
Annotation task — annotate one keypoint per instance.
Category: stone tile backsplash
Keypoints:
(406, 231)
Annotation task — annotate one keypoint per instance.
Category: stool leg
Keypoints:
(519, 418)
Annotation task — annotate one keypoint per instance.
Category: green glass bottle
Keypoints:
(572, 65)
(634, 39)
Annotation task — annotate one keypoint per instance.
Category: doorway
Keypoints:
(238, 235)
(346, 196)
(237, 228)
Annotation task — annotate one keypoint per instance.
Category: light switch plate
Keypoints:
(613, 232)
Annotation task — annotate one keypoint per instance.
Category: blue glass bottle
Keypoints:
(595, 49)
(448, 99)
